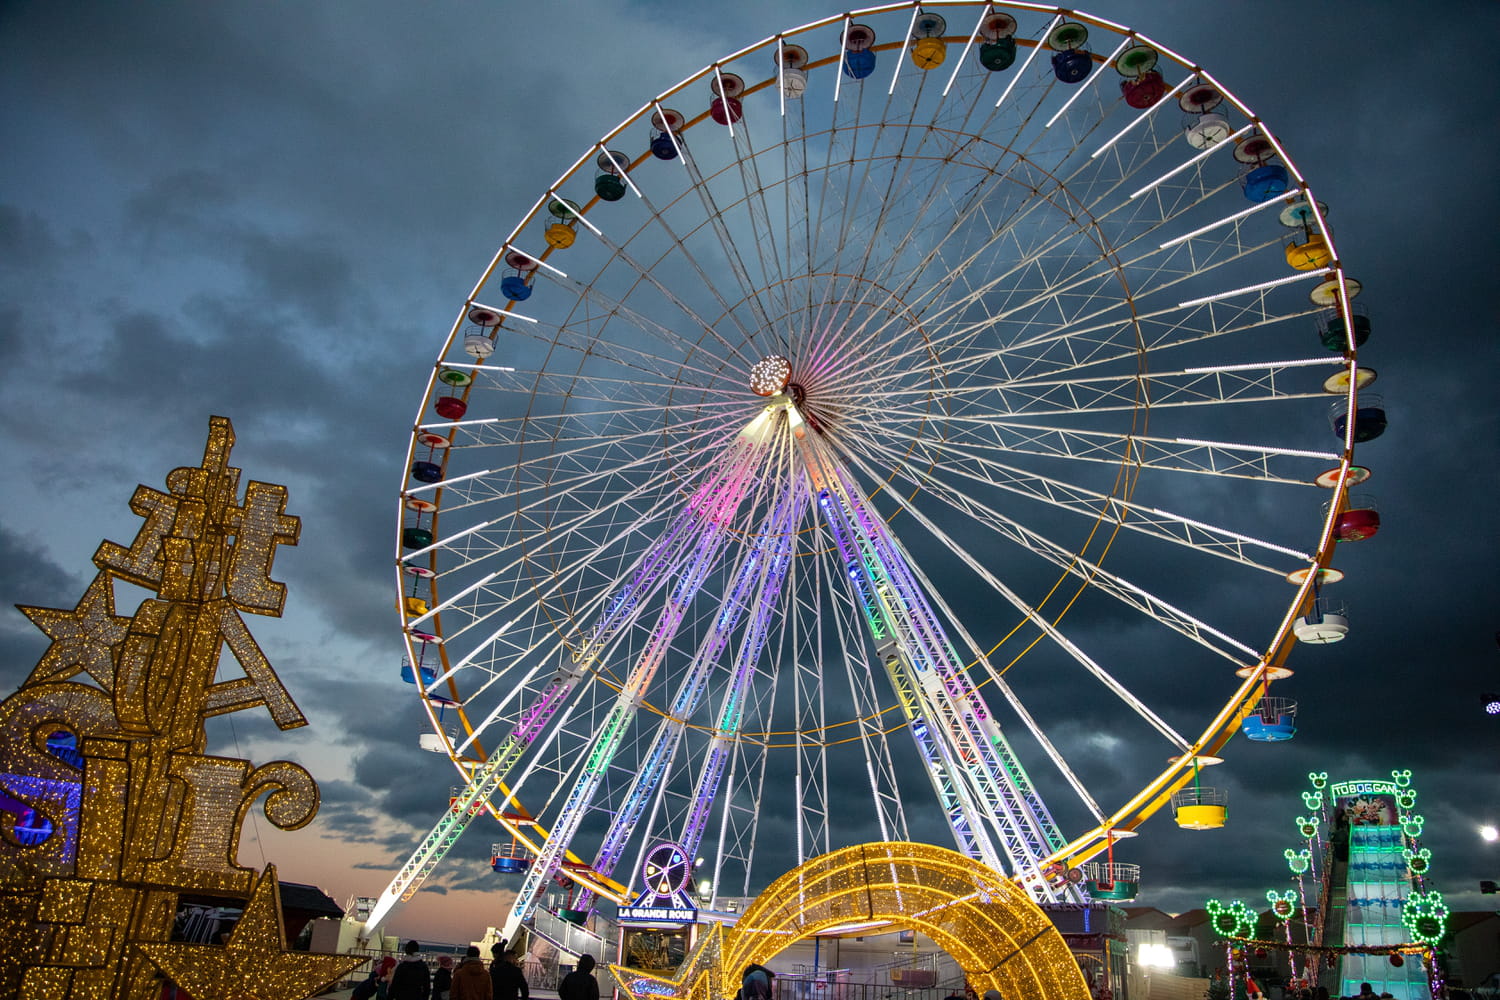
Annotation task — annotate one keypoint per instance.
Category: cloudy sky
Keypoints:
(268, 212)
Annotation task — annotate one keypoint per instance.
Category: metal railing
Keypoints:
(828, 988)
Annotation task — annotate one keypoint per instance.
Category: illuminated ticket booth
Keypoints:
(658, 928)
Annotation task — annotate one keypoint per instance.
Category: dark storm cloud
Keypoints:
(274, 215)
(38, 581)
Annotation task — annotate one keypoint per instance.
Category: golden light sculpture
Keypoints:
(109, 806)
(991, 927)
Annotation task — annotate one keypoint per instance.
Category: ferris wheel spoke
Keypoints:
(1089, 571)
(1164, 525)
(1024, 258)
(1050, 630)
(975, 466)
(701, 419)
(749, 288)
(588, 340)
(1261, 462)
(708, 285)
(537, 480)
(648, 571)
(1075, 348)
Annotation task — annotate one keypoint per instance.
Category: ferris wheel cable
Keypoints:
(714, 216)
(842, 207)
(1024, 262)
(887, 202)
(558, 580)
(1150, 453)
(737, 268)
(1089, 503)
(764, 234)
(1033, 615)
(975, 295)
(590, 336)
(649, 276)
(798, 217)
(885, 124)
(1091, 572)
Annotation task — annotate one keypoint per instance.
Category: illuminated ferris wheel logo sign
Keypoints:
(667, 872)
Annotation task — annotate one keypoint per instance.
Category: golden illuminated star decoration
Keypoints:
(82, 639)
(253, 964)
(111, 807)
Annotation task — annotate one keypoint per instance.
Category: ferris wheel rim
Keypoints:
(1222, 725)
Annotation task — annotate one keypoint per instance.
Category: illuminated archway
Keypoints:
(998, 935)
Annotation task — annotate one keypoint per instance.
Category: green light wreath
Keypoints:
(1425, 916)
(1233, 921)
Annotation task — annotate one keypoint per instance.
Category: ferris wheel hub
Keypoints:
(770, 375)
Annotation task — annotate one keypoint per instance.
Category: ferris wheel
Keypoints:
(910, 426)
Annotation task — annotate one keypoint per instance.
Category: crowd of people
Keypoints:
(412, 978)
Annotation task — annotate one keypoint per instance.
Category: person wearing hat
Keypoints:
(442, 979)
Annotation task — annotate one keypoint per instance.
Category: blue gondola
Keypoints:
(1273, 721)
(859, 60)
(509, 859)
(409, 675)
(514, 287)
